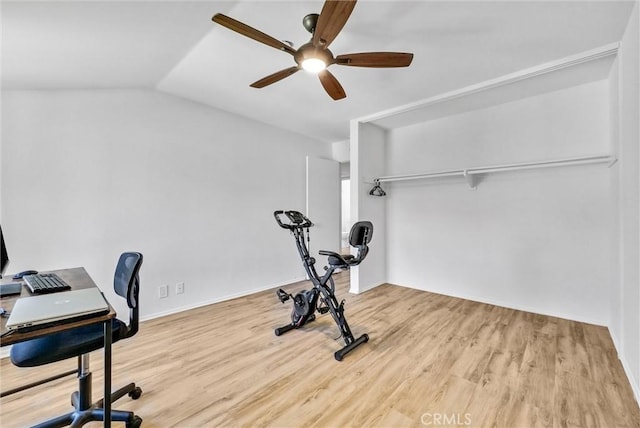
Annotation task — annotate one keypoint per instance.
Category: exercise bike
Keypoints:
(322, 296)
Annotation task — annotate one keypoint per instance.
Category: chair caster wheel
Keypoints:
(136, 393)
(135, 422)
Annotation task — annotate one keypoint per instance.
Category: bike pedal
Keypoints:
(323, 309)
(283, 295)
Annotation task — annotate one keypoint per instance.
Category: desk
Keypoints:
(77, 278)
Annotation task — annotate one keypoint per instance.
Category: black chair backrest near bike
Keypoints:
(322, 296)
(360, 235)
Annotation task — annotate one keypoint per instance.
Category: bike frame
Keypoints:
(323, 288)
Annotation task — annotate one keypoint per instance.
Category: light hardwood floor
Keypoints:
(432, 360)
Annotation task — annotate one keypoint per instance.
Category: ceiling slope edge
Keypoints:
(570, 71)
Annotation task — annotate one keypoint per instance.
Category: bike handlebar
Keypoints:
(296, 219)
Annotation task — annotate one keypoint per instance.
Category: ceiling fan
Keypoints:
(315, 55)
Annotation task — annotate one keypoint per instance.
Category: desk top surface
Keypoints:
(77, 278)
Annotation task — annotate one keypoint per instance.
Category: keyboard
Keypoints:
(45, 283)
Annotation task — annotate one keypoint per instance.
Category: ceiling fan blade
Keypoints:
(375, 59)
(333, 16)
(275, 77)
(331, 85)
(251, 32)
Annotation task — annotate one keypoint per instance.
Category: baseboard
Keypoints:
(635, 383)
(218, 300)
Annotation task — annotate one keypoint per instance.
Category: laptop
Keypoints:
(54, 307)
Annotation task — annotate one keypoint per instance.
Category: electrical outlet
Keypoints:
(163, 291)
(180, 288)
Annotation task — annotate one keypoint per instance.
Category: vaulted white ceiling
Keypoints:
(174, 47)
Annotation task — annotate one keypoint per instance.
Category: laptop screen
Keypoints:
(4, 257)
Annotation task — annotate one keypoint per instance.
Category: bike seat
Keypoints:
(336, 259)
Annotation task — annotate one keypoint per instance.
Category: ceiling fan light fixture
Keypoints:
(313, 59)
(315, 56)
(313, 65)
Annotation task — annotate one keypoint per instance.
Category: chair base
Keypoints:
(85, 412)
(80, 417)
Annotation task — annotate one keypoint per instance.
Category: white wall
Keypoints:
(341, 151)
(625, 323)
(533, 240)
(323, 207)
(367, 162)
(89, 174)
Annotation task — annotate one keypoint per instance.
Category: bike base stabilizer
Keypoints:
(350, 347)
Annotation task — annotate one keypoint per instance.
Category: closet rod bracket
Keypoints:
(470, 181)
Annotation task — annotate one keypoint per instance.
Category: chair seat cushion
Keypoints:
(60, 346)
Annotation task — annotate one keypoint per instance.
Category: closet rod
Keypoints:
(498, 168)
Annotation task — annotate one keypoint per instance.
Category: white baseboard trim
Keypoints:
(635, 383)
(218, 300)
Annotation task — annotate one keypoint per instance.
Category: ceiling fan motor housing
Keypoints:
(309, 51)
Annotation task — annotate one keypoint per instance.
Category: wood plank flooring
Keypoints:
(432, 360)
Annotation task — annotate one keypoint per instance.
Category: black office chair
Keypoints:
(79, 342)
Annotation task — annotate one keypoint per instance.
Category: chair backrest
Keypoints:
(360, 235)
(126, 283)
